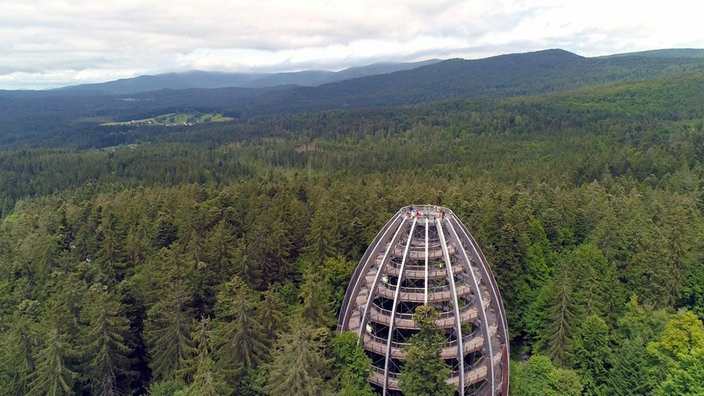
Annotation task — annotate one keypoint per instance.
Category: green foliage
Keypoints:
(423, 371)
(238, 335)
(686, 378)
(172, 387)
(579, 200)
(682, 336)
(693, 292)
(538, 377)
(168, 333)
(298, 365)
(556, 337)
(106, 344)
(271, 314)
(582, 286)
(355, 365)
(592, 352)
(680, 350)
(18, 345)
(206, 379)
(631, 370)
(52, 375)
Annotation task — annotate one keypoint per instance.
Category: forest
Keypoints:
(212, 259)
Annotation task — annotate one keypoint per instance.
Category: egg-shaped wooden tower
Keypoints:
(425, 255)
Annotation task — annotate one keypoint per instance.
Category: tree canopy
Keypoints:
(208, 259)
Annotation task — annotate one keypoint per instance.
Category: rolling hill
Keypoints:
(205, 79)
(40, 117)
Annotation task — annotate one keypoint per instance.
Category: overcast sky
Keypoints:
(50, 43)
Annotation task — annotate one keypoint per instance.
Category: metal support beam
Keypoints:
(393, 309)
(482, 314)
(458, 322)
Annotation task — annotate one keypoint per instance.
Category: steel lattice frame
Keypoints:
(425, 255)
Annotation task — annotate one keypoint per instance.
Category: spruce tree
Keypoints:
(271, 314)
(238, 337)
(105, 343)
(556, 338)
(321, 240)
(592, 353)
(111, 256)
(559, 330)
(168, 333)
(17, 348)
(204, 377)
(52, 375)
(316, 305)
(298, 362)
(222, 249)
(631, 367)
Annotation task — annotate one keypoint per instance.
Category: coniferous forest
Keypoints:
(212, 259)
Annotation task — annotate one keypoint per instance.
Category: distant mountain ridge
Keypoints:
(196, 79)
(501, 76)
(208, 79)
(667, 53)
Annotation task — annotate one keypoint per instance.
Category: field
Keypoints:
(173, 119)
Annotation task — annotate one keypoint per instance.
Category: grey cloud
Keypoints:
(47, 39)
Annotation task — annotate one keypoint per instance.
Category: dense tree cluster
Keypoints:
(218, 267)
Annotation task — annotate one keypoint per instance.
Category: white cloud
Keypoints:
(45, 42)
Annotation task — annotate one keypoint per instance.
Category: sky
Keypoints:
(51, 43)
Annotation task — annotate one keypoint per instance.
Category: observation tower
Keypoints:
(424, 255)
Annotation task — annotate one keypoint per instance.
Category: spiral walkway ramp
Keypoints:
(424, 255)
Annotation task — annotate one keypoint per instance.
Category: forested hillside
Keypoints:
(68, 118)
(212, 259)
